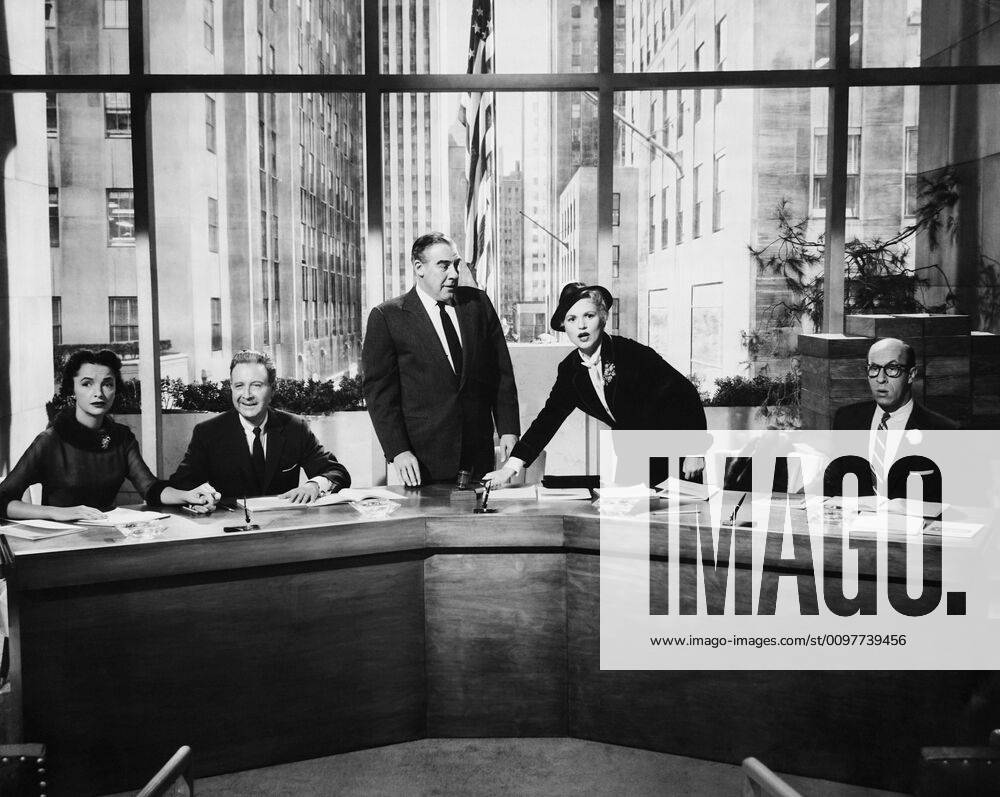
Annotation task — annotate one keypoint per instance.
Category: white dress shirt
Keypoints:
(320, 481)
(431, 306)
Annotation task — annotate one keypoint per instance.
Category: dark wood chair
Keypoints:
(960, 771)
(759, 781)
(22, 770)
(174, 777)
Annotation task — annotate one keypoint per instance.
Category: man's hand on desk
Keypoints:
(499, 477)
(408, 468)
(507, 442)
(303, 494)
(202, 499)
(693, 466)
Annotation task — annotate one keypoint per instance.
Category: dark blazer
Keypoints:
(415, 400)
(859, 416)
(218, 453)
(646, 392)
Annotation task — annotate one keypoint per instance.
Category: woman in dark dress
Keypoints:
(614, 379)
(83, 457)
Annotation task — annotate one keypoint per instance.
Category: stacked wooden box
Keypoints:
(958, 374)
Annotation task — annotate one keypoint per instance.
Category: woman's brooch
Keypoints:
(609, 373)
(104, 440)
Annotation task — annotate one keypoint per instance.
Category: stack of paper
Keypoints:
(690, 491)
(39, 529)
(563, 493)
(527, 493)
(267, 503)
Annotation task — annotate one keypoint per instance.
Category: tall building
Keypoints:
(256, 197)
(415, 139)
(725, 158)
(538, 244)
(510, 247)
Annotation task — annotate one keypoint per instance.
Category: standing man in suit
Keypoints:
(891, 369)
(437, 373)
(254, 450)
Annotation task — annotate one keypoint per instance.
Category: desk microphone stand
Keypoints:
(248, 524)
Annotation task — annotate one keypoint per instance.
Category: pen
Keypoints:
(732, 517)
(486, 495)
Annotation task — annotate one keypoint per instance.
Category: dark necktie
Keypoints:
(258, 457)
(454, 347)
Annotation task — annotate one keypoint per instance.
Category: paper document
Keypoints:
(349, 494)
(39, 529)
(686, 490)
(634, 491)
(563, 493)
(527, 493)
(120, 515)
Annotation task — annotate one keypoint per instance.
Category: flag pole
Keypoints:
(495, 276)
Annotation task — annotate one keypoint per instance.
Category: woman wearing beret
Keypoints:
(614, 379)
(83, 457)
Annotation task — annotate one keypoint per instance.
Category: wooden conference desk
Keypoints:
(325, 633)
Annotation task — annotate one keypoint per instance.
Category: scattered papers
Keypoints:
(563, 493)
(349, 494)
(268, 503)
(39, 529)
(896, 506)
(691, 491)
(120, 515)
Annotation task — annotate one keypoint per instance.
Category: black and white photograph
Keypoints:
(500, 397)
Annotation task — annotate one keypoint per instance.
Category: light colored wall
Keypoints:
(26, 303)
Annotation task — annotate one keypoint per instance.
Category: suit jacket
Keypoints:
(415, 400)
(646, 392)
(218, 453)
(859, 416)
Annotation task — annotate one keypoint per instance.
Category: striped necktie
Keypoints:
(878, 455)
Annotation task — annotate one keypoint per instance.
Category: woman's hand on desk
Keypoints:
(498, 478)
(67, 514)
(693, 466)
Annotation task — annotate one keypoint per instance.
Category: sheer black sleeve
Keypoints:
(29, 470)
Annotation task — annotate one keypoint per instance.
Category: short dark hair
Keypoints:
(82, 357)
(253, 356)
(425, 242)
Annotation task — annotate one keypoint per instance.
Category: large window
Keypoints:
(213, 224)
(57, 321)
(116, 13)
(123, 319)
(210, 123)
(53, 216)
(216, 324)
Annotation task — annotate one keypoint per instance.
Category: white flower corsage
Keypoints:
(609, 373)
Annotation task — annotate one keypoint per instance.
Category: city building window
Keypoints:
(51, 114)
(721, 49)
(50, 13)
(117, 115)
(615, 259)
(216, 324)
(616, 209)
(123, 319)
(210, 124)
(910, 181)
(678, 211)
(574, 11)
(213, 224)
(116, 13)
(652, 224)
(680, 113)
(718, 191)
(57, 320)
(615, 316)
(208, 17)
(121, 217)
(853, 183)
(696, 203)
(53, 216)
(697, 92)
(823, 22)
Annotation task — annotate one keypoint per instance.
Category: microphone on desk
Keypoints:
(482, 510)
(248, 525)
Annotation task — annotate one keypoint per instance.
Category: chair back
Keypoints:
(960, 771)
(174, 777)
(759, 781)
(22, 770)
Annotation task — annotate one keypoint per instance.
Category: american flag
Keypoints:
(480, 141)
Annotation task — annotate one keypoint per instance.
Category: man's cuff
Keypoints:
(322, 482)
(515, 464)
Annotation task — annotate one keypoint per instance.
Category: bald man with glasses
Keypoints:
(891, 369)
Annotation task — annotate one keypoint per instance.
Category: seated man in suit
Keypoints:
(254, 450)
(891, 369)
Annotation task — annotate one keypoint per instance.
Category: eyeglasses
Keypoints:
(892, 370)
